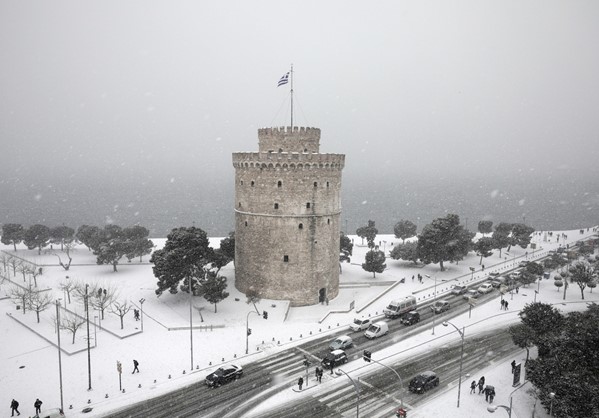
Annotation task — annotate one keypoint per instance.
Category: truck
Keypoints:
(397, 308)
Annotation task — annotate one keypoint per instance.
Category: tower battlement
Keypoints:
(287, 139)
(266, 160)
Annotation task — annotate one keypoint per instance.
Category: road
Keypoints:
(266, 377)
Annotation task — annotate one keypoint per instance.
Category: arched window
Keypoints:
(246, 223)
(328, 221)
(308, 205)
(286, 258)
(279, 183)
(241, 182)
(301, 226)
(276, 206)
(252, 183)
(315, 184)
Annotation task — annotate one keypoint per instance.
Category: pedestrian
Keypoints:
(14, 406)
(300, 382)
(502, 302)
(505, 304)
(135, 366)
(136, 314)
(487, 392)
(517, 288)
(483, 267)
(317, 373)
(513, 366)
(473, 387)
(481, 383)
(412, 278)
(491, 395)
(38, 406)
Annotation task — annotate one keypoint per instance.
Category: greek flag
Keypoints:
(283, 80)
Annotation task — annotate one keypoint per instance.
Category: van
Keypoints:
(360, 324)
(378, 329)
(397, 308)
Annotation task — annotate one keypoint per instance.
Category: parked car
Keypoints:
(440, 306)
(223, 375)
(485, 288)
(378, 329)
(458, 290)
(360, 324)
(410, 318)
(423, 382)
(471, 293)
(341, 343)
(51, 413)
(334, 358)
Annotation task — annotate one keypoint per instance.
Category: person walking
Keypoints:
(38, 406)
(14, 407)
(136, 314)
(481, 384)
(473, 387)
(491, 395)
(319, 374)
(513, 366)
(505, 304)
(487, 392)
(300, 382)
(135, 366)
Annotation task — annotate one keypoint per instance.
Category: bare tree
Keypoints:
(14, 263)
(253, 297)
(71, 322)
(39, 302)
(68, 286)
(24, 269)
(4, 259)
(20, 295)
(67, 249)
(102, 298)
(120, 309)
(200, 309)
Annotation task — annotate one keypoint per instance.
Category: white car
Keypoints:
(485, 288)
(360, 324)
(341, 343)
(471, 293)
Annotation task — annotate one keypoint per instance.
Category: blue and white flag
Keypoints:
(283, 80)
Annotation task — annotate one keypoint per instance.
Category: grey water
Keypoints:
(546, 203)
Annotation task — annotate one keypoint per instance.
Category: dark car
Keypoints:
(334, 358)
(410, 318)
(423, 382)
(223, 375)
(440, 306)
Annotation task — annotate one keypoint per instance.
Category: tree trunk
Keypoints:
(73, 338)
(441, 264)
(15, 245)
(215, 308)
(38, 316)
(122, 321)
(114, 267)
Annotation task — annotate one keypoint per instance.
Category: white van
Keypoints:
(397, 308)
(378, 329)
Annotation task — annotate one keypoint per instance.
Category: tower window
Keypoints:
(252, 183)
(328, 221)
(327, 184)
(301, 226)
(246, 223)
(239, 204)
(315, 184)
(241, 182)
(276, 206)
(308, 205)
(280, 183)
(305, 149)
(286, 258)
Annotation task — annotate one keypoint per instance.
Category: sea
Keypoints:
(545, 204)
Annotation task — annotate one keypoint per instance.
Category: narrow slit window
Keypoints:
(301, 226)
(276, 206)
(315, 184)
(252, 183)
(308, 205)
(286, 258)
(246, 223)
(280, 183)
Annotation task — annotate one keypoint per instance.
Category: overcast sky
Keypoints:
(118, 89)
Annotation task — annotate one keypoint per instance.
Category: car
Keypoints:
(223, 375)
(471, 293)
(494, 273)
(522, 263)
(360, 324)
(51, 413)
(423, 382)
(458, 290)
(440, 306)
(334, 358)
(498, 281)
(341, 343)
(410, 318)
(485, 288)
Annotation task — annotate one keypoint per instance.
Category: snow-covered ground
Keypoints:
(29, 367)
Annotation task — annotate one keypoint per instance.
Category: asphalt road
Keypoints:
(266, 377)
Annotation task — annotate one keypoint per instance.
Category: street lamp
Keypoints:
(141, 308)
(462, 332)
(493, 408)
(95, 332)
(247, 330)
(434, 297)
(59, 355)
(89, 358)
(339, 372)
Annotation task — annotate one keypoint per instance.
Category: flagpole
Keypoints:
(292, 97)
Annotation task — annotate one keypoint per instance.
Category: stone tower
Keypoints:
(287, 217)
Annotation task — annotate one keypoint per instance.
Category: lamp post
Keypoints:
(339, 372)
(141, 308)
(462, 332)
(493, 408)
(95, 332)
(247, 330)
(89, 358)
(59, 354)
(434, 297)
(190, 322)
